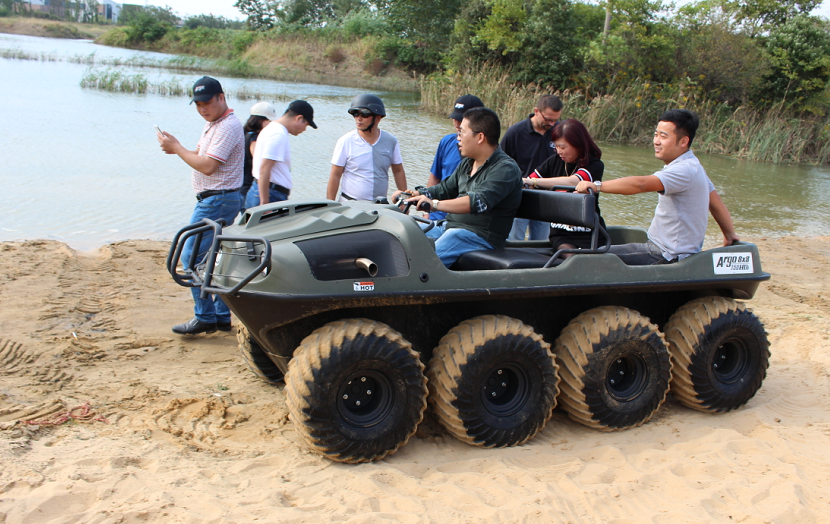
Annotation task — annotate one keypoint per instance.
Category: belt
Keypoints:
(213, 192)
(282, 189)
(347, 197)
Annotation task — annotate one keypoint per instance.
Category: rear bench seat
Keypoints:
(576, 209)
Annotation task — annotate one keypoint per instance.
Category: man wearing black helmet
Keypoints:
(362, 157)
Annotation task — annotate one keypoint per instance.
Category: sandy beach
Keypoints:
(177, 430)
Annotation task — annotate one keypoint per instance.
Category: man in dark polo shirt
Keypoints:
(529, 144)
(217, 164)
(482, 195)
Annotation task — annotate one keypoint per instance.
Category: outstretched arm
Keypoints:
(723, 218)
(629, 185)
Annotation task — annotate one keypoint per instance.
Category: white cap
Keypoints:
(264, 109)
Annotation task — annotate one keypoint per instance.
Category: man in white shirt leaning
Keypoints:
(272, 155)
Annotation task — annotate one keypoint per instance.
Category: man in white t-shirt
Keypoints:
(272, 155)
(362, 157)
(685, 198)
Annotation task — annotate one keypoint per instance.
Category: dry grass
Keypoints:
(36, 27)
(628, 115)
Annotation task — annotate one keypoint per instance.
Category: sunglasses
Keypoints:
(365, 113)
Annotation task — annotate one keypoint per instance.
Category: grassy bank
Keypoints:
(628, 115)
(38, 27)
(315, 59)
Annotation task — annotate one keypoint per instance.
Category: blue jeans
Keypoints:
(252, 199)
(451, 243)
(538, 230)
(226, 206)
(645, 254)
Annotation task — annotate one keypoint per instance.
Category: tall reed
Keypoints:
(629, 112)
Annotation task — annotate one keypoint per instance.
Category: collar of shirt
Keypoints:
(224, 116)
(688, 155)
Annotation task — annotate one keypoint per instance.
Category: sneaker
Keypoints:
(194, 326)
(224, 326)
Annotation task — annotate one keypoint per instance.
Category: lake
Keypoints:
(83, 166)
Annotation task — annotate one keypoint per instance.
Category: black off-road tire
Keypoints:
(720, 353)
(615, 368)
(355, 390)
(257, 359)
(493, 381)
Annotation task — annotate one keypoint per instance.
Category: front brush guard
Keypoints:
(192, 278)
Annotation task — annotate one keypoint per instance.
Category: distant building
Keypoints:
(83, 10)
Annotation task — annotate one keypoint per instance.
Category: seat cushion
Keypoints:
(507, 258)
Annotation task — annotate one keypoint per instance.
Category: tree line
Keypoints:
(742, 52)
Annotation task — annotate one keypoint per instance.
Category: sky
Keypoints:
(225, 7)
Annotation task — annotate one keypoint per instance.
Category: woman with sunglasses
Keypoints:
(577, 158)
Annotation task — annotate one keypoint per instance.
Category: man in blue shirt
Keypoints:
(447, 156)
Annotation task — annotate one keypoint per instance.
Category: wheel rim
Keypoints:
(627, 376)
(506, 390)
(365, 398)
(730, 361)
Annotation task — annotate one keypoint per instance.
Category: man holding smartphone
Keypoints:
(217, 164)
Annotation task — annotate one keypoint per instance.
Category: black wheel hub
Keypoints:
(730, 361)
(627, 377)
(506, 390)
(365, 398)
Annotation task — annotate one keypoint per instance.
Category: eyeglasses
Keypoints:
(365, 113)
(459, 133)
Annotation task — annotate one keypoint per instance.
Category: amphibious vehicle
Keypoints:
(351, 307)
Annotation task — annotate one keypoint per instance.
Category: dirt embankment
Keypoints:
(177, 429)
(52, 29)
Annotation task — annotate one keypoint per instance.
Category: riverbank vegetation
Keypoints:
(756, 71)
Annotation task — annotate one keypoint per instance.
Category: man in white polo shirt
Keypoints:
(272, 155)
(362, 157)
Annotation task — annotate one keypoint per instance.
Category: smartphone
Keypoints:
(158, 130)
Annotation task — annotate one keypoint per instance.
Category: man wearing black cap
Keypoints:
(217, 164)
(272, 156)
(447, 156)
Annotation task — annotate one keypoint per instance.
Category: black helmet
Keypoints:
(370, 102)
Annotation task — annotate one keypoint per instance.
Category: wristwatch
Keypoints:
(435, 204)
(598, 183)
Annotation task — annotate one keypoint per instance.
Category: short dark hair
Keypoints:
(685, 122)
(574, 133)
(484, 120)
(551, 102)
(254, 124)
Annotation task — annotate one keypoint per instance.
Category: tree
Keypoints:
(799, 52)
(261, 13)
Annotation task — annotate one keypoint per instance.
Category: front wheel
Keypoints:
(355, 390)
(615, 368)
(720, 353)
(493, 381)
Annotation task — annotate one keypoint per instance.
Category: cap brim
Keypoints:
(456, 115)
(201, 98)
(311, 123)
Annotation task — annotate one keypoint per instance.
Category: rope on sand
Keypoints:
(83, 413)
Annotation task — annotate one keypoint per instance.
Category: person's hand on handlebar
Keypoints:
(584, 186)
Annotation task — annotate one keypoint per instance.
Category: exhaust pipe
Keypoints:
(368, 265)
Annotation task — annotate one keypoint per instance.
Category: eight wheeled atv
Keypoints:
(352, 307)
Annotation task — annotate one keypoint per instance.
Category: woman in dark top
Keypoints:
(262, 113)
(577, 158)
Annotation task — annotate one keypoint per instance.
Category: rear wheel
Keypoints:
(356, 390)
(493, 381)
(615, 368)
(256, 358)
(720, 353)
